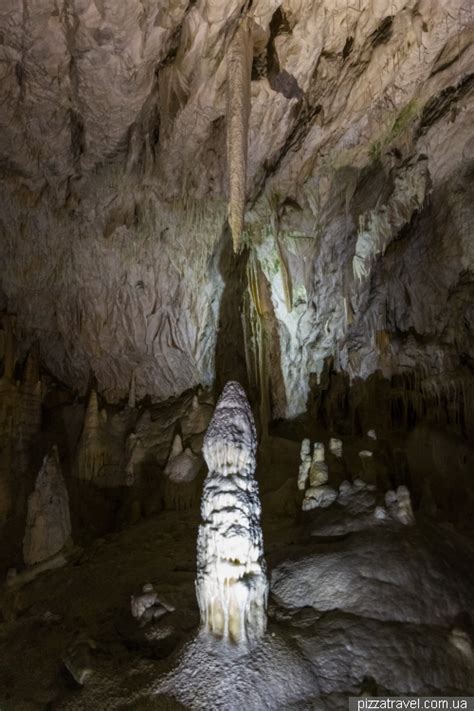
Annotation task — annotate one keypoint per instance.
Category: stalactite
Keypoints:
(132, 392)
(285, 276)
(239, 68)
(258, 329)
(443, 399)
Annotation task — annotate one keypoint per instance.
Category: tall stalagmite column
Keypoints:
(231, 585)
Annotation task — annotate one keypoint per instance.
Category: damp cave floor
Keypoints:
(87, 602)
(89, 599)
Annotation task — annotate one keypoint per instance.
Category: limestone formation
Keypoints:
(335, 447)
(48, 523)
(176, 447)
(147, 606)
(183, 467)
(351, 143)
(305, 465)
(318, 494)
(369, 466)
(92, 455)
(399, 505)
(20, 415)
(181, 485)
(318, 497)
(275, 193)
(239, 66)
(196, 419)
(461, 639)
(77, 660)
(231, 583)
(135, 453)
(318, 474)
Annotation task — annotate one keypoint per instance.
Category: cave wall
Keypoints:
(359, 212)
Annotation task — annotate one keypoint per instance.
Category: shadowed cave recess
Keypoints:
(236, 353)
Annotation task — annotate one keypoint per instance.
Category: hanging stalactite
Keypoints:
(239, 68)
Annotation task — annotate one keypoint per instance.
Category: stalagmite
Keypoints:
(183, 468)
(399, 505)
(176, 447)
(318, 473)
(318, 494)
(180, 484)
(231, 583)
(404, 507)
(147, 606)
(135, 453)
(305, 465)
(239, 68)
(91, 457)
(196, 419)
(48, 524)
(335, 447)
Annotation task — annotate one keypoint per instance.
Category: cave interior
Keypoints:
(236, 353)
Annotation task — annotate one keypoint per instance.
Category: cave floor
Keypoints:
(89, 601)
(354, 609)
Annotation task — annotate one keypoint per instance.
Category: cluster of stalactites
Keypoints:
(231, 585)
(20, 402)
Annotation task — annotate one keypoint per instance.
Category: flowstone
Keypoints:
(231, 585)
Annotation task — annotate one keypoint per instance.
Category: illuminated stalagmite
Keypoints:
(231, 583)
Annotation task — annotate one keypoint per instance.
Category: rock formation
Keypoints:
(399, 506)
(147, 606)
(238, 110)
(359, 152)
(305, 465)
(48, 523)
(181, 485)
(92, 454)
(317, 494)
(335, 447)
(182, 466)
(231, 582)
(276, 193)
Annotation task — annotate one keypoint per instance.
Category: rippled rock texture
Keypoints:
(113, 238)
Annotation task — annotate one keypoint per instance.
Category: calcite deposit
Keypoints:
(271, 201)
(231, 582)
(48, 523)
(356, 195)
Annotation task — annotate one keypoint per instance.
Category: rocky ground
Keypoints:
(357, 606)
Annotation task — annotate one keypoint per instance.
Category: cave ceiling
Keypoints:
(359, 193)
